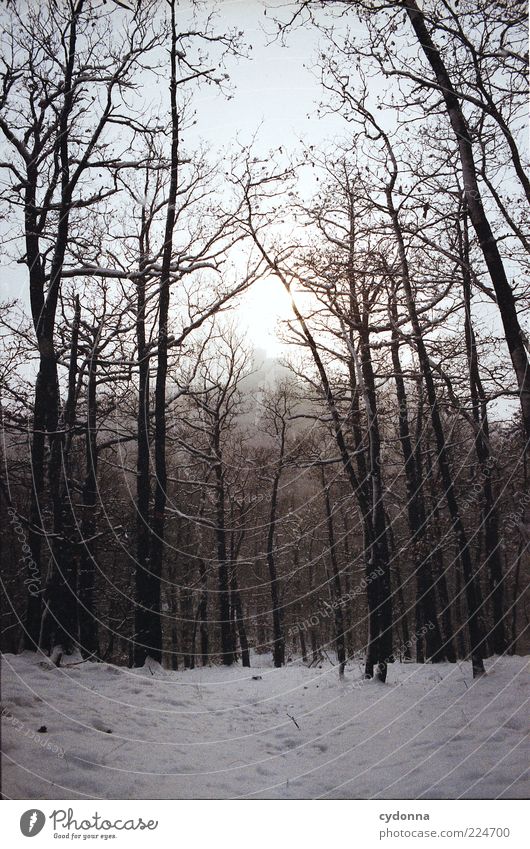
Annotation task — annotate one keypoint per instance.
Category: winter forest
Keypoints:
(265, 398)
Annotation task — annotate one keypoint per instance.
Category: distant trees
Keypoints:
(277, 410)
(217, 398)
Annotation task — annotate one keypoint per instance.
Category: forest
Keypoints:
(173, 496)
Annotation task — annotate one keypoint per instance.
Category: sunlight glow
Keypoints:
(261, 312)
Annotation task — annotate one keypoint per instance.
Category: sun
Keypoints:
(261, 310)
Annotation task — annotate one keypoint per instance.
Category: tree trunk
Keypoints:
(277, 618)
(335, 585)
(239, 618)
(313, 634)
(187, 618)
(60, 625)
(143, 488)
(516, 597)
(88, 632)
(227, 644)
(174, 648)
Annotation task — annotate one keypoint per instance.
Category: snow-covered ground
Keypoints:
(115, 733)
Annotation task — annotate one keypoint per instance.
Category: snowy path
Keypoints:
(216, 733)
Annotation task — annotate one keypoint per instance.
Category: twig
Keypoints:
(294, 720)
(328, 657)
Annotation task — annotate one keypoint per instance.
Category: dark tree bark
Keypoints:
(59, 629)
(516, 596)
(174, 648)
(403, 618)
(227, 644)
(278, 649)
(88, 631)
(143, 487)
(349, 611)
(313, 632)
(335, 584)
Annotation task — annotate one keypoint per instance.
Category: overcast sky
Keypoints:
(275, 99)
(273, 103)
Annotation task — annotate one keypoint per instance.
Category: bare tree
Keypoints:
(52, 148)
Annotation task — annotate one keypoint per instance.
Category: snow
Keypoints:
(117, 733)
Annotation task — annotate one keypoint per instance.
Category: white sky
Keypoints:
(274, 89)
(275, 100)
(275, 97)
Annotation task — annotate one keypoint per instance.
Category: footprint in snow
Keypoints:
(101, 726)
(82, 763)
(262, 770)
(288, 742)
